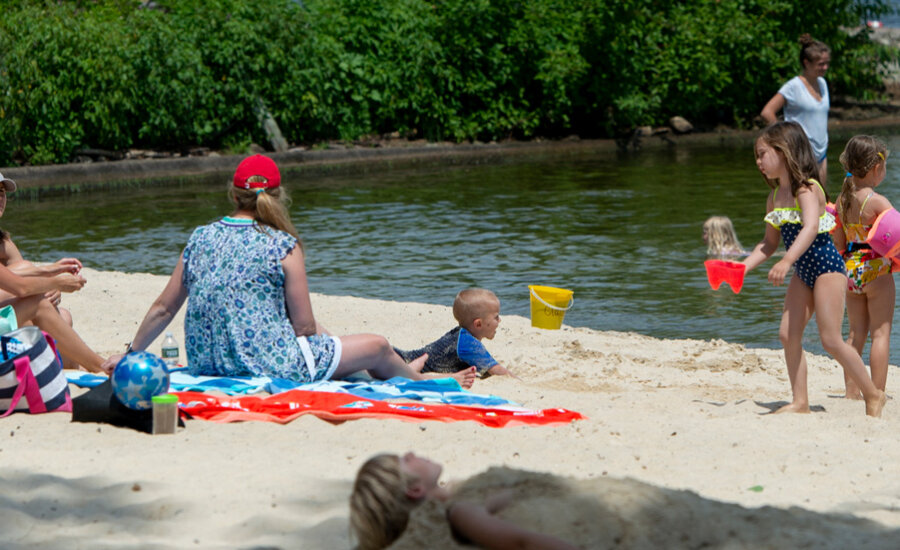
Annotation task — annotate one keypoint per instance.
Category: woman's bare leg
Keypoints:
(44, 315)
(373, 353)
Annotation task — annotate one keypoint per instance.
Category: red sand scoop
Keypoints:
(721, 271)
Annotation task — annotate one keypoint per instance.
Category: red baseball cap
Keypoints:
(257, 165)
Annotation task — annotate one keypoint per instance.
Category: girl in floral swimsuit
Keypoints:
(870, 296)
(795, 212)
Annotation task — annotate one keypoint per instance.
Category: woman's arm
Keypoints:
(770, 111)
(159, 315)
(11, 257)
(28, 269)
(296, 293)
(474, 523)
(809, 214)
(28, 286)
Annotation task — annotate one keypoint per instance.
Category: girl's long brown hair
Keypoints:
(789, 139)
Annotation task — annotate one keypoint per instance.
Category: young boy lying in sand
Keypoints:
(477, 311)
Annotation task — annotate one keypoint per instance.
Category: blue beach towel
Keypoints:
(440, 390)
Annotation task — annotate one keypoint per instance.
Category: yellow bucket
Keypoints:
(549, 306)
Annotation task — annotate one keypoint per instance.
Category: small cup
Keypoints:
(165, 413)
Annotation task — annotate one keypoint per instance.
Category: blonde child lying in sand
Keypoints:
(388, 487)
(477, 311)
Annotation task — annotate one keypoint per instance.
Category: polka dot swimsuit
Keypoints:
(821, 257)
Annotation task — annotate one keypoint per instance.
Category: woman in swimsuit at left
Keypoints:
(870, 295)
(796, 213)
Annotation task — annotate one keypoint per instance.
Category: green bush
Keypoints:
(111, 75)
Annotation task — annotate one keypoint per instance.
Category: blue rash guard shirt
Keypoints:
(453, 352)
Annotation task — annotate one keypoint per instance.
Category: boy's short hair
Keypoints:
(471, 304)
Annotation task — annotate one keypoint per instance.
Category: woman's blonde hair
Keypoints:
(379, 505)
(861, 154)
(789, 139)
(721, 237)
(269, 206)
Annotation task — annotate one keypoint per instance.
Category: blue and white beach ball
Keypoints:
(138, 377)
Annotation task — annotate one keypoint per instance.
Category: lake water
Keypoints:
(622, 230)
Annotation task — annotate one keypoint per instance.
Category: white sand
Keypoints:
(675, 414)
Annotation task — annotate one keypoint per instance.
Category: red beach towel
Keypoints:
(338, 407)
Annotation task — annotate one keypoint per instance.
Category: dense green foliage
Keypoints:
(111, 75)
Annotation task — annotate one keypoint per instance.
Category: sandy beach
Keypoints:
(679, 423)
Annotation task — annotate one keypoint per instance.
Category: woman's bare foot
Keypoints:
(802, 408)
(853, 391)
(875, 406)
(466, 377)
(418, 363)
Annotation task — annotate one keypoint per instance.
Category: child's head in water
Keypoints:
(478, 311)
(386, 489)
(861, 156)
(720, 237)
(785, 145)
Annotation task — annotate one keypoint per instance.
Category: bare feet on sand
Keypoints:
(853, 391)
(466, 377)
(802, 408)
(875, 406)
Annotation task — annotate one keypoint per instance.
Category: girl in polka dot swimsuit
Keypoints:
(795, 211)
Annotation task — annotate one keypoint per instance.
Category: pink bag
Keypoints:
(31, 368)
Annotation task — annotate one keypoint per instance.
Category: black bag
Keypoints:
(99, 404)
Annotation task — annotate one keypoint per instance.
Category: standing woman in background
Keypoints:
(805, 100)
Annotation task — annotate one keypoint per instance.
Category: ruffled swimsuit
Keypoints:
(821, 257)
(863, 264)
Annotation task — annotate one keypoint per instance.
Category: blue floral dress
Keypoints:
(236, 322)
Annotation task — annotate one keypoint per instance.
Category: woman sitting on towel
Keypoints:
(248, 304)
(30, 294)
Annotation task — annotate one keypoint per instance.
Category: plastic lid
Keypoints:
(165, 398)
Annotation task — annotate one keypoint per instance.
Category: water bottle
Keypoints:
(170, 351)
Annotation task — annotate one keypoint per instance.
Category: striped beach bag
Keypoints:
(31, 376)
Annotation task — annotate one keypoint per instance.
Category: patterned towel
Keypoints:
(440, 390)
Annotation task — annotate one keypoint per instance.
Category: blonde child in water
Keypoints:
(721, 239)
(795, 211)
(870, 292)
(477, 310)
